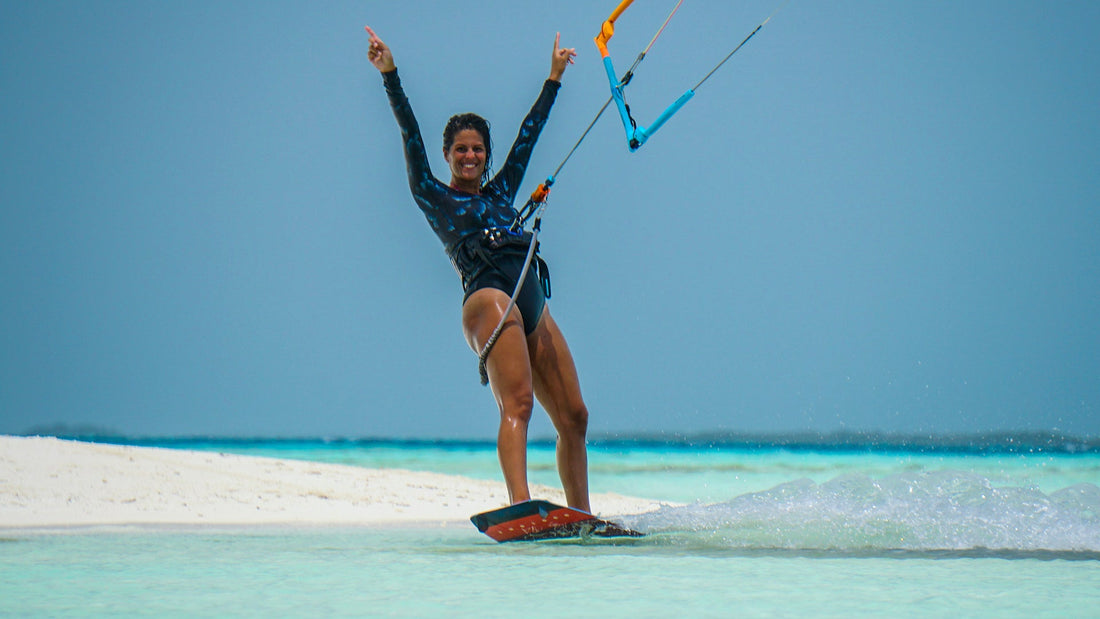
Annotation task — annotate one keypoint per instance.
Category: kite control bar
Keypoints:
(635, 135)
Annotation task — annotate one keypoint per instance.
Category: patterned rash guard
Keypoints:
(458, 218)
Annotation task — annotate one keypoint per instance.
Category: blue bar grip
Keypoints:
(644, 133)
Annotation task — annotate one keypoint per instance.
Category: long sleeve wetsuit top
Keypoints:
(456, 216)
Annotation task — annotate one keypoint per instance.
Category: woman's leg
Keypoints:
(558, 389)
(509, 372)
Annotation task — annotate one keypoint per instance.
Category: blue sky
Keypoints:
(876, 216)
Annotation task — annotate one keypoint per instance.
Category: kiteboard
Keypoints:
(540, 520)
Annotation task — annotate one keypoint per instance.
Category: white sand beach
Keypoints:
(48, 482)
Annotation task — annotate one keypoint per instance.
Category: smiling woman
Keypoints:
(473, 216)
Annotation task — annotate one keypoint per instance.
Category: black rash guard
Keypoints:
(461, 219)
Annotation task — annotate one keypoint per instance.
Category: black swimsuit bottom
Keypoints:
(485, 264)
(531, 299)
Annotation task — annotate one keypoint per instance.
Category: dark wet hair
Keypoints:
(459, 122)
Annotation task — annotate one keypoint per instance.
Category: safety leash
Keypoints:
(483, 356)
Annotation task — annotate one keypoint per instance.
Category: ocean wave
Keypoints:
(926, 511)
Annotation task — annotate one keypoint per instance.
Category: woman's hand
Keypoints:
(380, 55)
(562, 58)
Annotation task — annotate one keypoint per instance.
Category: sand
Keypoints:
(48, 482)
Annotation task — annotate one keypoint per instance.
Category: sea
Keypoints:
(780, 526)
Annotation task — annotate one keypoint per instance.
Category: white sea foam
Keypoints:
(939, 510)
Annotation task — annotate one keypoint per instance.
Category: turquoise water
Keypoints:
(429, 572)
(763, 532)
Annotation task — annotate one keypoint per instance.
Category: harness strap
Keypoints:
(480, 252)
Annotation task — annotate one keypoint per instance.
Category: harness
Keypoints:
(478, 252)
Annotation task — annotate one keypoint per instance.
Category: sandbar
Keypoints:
(49, 482)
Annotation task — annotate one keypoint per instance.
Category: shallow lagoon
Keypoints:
(754, 532)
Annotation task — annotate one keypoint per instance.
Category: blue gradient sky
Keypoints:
(877, 216)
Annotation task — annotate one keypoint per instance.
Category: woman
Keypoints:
(472, 215)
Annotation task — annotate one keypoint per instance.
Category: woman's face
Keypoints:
(466, 159)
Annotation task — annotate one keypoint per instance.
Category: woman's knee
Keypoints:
(573, 421)
(517, 407)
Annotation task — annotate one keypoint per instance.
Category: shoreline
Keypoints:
(48, 484)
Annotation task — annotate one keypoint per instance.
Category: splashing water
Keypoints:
(942, 510)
